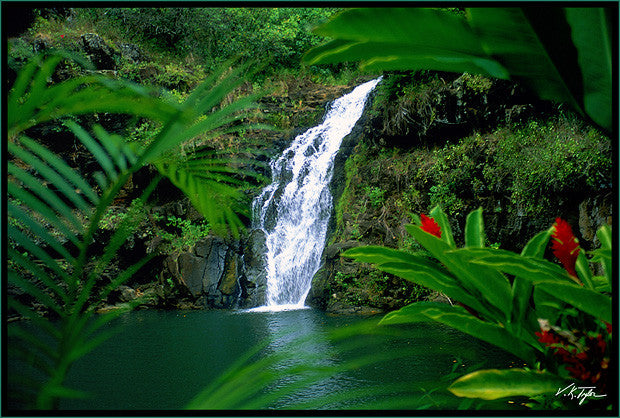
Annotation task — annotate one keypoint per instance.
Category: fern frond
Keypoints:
(38, 230)
(34, 342)
(45, 325)
(95, 149)
(27, 286)
(29, 356)
(44, 193)
(51, 175)
(32, 101)
(80, 185)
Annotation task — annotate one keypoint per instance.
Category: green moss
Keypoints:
(170, 76)
(370, 287)
(476, 82)
(549, 158)
(375, 195)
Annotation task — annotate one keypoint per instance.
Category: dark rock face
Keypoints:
(319, 295)
(448, 107)
(222, 274)
(99, 53)
(205, 272)
(254, 274)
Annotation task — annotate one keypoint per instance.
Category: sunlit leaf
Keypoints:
(495, 384)
(474, 229)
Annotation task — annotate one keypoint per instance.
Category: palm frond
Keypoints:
(54, 211)
(33, 101)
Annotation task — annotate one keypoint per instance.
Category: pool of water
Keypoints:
(166, 360)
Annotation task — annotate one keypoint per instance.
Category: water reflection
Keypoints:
(303, 338)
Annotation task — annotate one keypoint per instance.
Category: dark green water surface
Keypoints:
(162, 360)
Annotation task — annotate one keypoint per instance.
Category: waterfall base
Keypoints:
(278, 308)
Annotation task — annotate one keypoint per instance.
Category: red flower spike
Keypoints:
(429, 225)
(565, 246)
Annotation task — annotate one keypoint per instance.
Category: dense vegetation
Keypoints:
(136, 95)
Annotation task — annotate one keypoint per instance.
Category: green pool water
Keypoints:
(163, 360)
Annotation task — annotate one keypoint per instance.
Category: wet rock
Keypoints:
(127, 294)
(333, 251)
(254, 273)
(342, 308)
(229, 281)
(216, 275)
(191, 271)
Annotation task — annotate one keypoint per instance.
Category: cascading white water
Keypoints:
(294, 209)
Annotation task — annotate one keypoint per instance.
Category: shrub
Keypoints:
(556, 319)
(186, 235)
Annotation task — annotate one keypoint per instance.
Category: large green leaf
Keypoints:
(415, 269)
(587, 300)
(406, 38)
(474, 229)
(494, 384)
(603, 254)
(592, 36)
(582, 266)
(536, 246)
(519, 39)
(442, 220)
(522, 320)
(489, 286)
(533, 269)
(546, 305)
(458, 318)
(562, 54)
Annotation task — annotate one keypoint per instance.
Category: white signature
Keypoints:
(580, 392)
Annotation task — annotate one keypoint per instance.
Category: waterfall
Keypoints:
(294, 209)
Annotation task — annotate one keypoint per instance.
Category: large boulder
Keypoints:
(220, 273)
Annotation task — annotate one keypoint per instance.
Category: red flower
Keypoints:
(547, 337)
(429, 225)
(565, 246)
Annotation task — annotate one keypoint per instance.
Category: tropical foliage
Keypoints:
(557, 320)
(54, 211)
(202, 36)
(562, 54)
